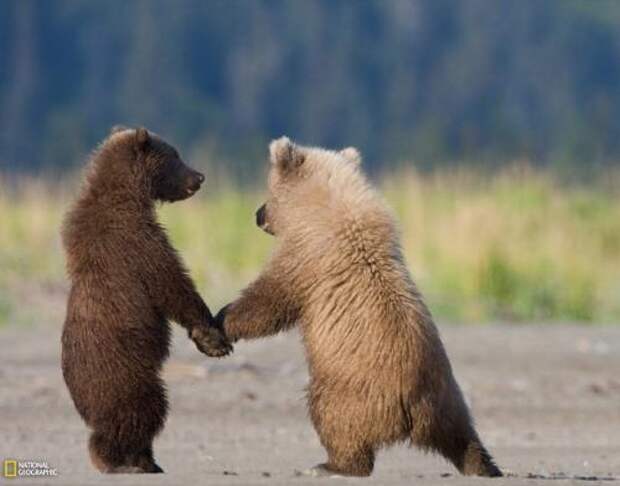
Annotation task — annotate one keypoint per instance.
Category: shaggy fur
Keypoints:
(126, 282)
(378, 370)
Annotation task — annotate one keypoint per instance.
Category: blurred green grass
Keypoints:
(515, 245)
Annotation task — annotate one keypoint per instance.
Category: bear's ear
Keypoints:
(352, 155)
(118, 128)
(285, 155)
(142, 139)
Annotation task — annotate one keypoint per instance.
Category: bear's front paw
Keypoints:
(220, 322)
(211, 341)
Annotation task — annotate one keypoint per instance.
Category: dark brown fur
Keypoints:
(378, 371)
(126, 282)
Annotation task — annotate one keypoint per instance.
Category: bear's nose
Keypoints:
(195, 180)
(260, 216)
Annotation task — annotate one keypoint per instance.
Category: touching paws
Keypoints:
(211, 341)
(220, 321)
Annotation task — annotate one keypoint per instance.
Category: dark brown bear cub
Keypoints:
(127, 281)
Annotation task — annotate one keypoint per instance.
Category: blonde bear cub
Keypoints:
(379, 373)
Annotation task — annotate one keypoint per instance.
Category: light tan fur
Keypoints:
(378, 370)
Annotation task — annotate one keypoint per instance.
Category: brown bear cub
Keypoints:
(126, 282)
(379, 373)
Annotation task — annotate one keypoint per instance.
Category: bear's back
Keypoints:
(364, 315)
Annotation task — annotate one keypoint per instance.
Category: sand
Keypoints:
(546, 400)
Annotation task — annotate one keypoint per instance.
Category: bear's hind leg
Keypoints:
(345, 458)
(107, 457)
(345, 435)
(146, 462)
(474, 460)
(142, 418)
(359, 461)
(466, 452)
(452, 434)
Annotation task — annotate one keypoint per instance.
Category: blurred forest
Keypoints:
(429, 81)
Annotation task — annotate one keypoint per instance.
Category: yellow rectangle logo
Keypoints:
(10, 468)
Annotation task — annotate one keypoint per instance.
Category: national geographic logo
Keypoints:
(12, 468)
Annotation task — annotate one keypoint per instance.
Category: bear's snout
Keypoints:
(194, 181)
(261, 219)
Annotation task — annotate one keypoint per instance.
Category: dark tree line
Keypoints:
(433, 81)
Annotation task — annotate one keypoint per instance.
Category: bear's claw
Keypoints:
(320, 471)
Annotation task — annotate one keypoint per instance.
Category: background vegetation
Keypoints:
(516, 246)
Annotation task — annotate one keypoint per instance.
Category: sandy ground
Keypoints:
(546, 400)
